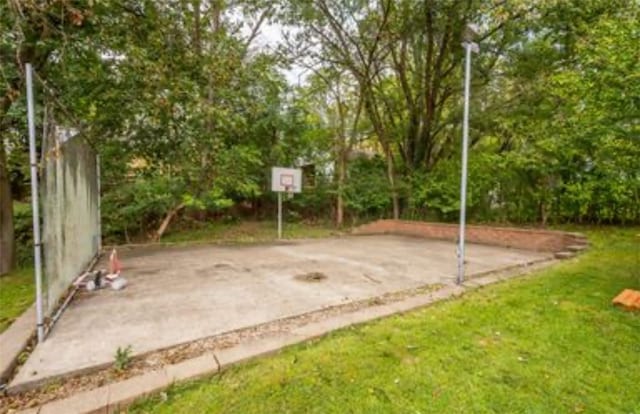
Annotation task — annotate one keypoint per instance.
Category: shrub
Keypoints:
(23, 231)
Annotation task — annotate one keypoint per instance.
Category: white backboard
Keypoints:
(286, 179)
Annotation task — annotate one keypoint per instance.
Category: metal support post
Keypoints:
(35, 203)
(463, 176)
(279, 214)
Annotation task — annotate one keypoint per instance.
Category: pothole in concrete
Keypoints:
(311, 277)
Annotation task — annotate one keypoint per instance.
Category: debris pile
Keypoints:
(99, 279)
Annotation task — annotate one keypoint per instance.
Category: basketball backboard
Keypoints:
(286, 179)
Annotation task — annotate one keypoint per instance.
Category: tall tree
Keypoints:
(406, 57)
(350, 38)
(32, 33)
(340, 108)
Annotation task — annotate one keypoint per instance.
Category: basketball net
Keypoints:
(289, 190)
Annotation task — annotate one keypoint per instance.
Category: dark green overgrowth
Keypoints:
(549, 342)
(23, 230)
(367, 190)
(188, 109)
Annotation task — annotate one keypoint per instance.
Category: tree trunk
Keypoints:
(167, 220)
(392, 182)
(7, 241)
(197, 43)
(543, 213)
(7, 248)
(340, 199)
(374, 116)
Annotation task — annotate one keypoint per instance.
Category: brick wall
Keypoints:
(530, 239)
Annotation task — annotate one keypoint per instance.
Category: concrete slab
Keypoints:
(87, 402)
(123, 393)
(192, 368)
(14, 340)
(35, 410)
(181, 294)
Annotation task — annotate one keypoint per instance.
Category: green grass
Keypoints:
(246, 232)
(16, 295)
(548, 343)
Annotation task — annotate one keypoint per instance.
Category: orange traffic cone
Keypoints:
(115, 266)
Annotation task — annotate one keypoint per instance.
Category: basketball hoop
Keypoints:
(285, 181)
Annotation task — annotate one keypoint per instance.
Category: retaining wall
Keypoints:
(529, 239)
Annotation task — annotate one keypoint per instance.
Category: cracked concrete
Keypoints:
(181, 294)
(113, 398)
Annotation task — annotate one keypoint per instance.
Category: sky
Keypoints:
(269, 37)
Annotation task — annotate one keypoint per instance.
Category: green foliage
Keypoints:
(566, 140)
(553, 106)
(185, 109)
(212, 201)
(367, 191)
(122, 358)
(436, 194)
(437, 191)
(17, 293)
(313, 202)
(23, 230)
(138, 206)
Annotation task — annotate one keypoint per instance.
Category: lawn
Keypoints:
(16, 295)
(546, 343)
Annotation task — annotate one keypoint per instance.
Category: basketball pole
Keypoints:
(35, 203)
(469, 46)
(279, 214)
(284, 180)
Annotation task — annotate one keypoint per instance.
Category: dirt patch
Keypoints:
(311, 277)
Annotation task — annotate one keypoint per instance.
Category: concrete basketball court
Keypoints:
(181, 294)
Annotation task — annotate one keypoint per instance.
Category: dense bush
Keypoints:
(136, 207)
(23, 230)
(315, 202)
(514, 188)
(367, 193)
(507, 188)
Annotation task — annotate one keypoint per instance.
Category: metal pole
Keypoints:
(279, 214)
(99, 183)
(35, 203)
(463, 177)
